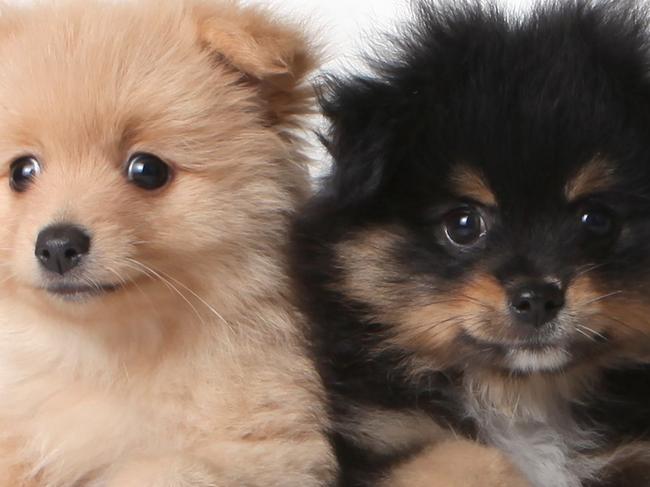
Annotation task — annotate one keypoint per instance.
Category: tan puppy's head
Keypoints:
(145, 153)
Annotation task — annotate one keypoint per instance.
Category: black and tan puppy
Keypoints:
(479, 258)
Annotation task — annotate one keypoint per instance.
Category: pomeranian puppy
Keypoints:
(147, 333)
(478, 259)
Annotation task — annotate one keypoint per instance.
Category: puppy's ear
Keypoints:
(273, 56)
(362, 129)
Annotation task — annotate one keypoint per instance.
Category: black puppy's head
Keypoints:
(490, 199)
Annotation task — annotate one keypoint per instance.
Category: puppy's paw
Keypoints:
(164, 472)
(457, 463)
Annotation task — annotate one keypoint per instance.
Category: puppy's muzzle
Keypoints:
(61, 248)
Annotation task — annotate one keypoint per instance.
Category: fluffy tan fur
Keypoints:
(193, 373)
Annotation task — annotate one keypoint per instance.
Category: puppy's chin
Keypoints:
(522, 359)
(554, 356)
(530, 361)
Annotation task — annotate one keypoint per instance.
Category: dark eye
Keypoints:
(598, 222)
(464, 226)
(23, 172)
(148, 171)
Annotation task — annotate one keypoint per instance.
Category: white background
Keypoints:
(344, 27)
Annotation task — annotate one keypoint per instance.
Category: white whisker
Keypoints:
(589, 268)
(592, 331)
(203, 301)
(153, 273)
(600, 298)
(586, 335)
(129, 280)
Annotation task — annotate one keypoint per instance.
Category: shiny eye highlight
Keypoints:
(148, 171)
(22, 173)
(598, 222)
(464, 226)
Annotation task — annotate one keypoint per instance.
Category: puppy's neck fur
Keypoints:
(530, 419)
(531, 395)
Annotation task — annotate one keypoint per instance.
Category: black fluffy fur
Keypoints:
(528, 102)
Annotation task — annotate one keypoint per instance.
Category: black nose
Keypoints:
(60, 248)
(536, 303)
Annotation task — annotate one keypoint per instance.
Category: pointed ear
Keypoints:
(267, 52)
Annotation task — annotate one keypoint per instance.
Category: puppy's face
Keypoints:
(135, 150)
(499, 221)
(550, 276)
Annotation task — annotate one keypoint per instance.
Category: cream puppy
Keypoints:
(147, 332)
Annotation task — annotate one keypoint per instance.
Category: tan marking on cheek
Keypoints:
(487, 290)
(489, 302)
(595, 176)
(580, 292)
(424, 315)
(433, 326)
(435, 321)
(630, 316)
(470, 183)
(623, 315)
(586, 301)
(368, 264)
